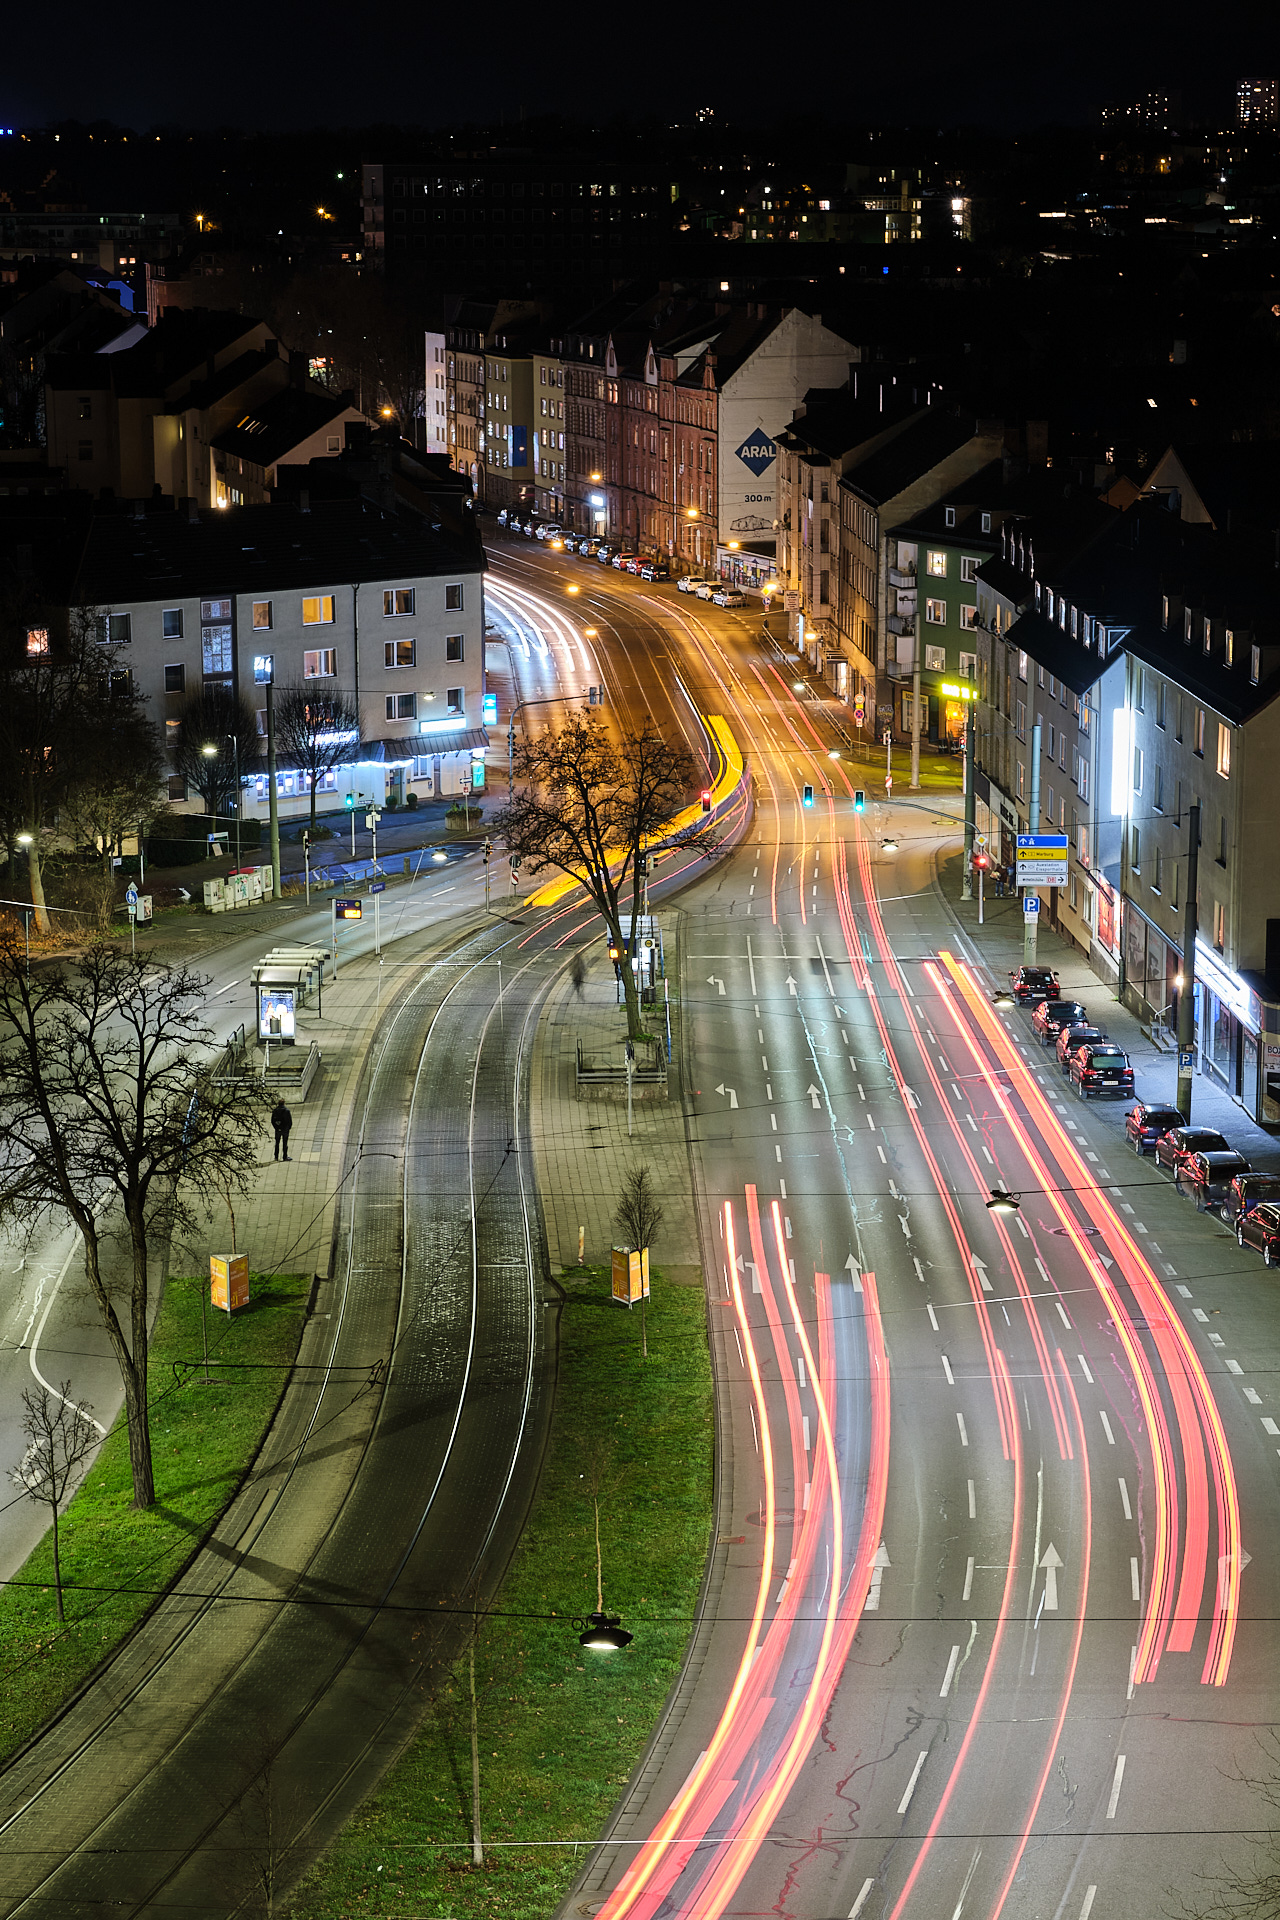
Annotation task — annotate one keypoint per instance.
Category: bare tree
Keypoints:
(218, 717)
(316, 732)
(118, 791)
(639, 1212)
(60, 1436)
(1249, 1892)
(104, 1094)
(591, 807)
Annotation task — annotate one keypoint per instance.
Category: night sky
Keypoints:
(290, 65)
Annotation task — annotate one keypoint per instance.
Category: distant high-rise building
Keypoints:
(1256, 103)
(1158, 108)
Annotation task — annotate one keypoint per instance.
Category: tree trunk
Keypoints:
(313, 803)
(57, 1564)
(133, 1371)
(477, 1848)
(144, 1491)
(36, 878)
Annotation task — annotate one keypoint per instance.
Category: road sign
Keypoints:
(887, 737)
(979, 839)
(348, 910)
(131, 895)
(377, 886)
(859, 715)
(1041, 860)
(1186, 1061)
(1030, 906)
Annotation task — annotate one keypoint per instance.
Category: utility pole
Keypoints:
(970, 815)
(1030, 914)
(272, 798)
(1187, 991)
(915, 711)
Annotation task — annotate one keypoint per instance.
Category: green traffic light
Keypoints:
(859, 801)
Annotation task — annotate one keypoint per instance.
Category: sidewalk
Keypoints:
(1155, 1071)
(582, 1152)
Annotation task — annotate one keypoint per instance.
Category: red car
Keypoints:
(1100, 1067)
(1261, 1228)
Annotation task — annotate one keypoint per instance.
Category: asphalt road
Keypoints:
(982, 1634)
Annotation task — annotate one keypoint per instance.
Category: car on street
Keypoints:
(1051, 1016)
(589, 546)
(690, 582)
(1260, 1228)
(1100, 1067)
(1206, 1177)
(1180, 1142)
(1144, 1124)
(1031, 984)
(502, 516)
(1073, 1036)
(633, 563)
(619, 561)
(1247, 1191)
(729, 597)
(705, 589)
(605, 553)
(655, 570)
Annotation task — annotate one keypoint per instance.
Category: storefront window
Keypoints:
(1221, 1037)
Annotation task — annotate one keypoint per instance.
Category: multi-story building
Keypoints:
(203, 406)
(435, 389)
(1258, 104)
(547, 412)
(382, 607)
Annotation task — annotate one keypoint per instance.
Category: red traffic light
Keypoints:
(706, 799)
(981, 861)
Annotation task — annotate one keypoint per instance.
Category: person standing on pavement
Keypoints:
(281, 1121)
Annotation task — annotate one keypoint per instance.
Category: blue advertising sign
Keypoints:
(757, 453)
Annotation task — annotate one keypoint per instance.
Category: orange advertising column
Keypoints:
(229, 1280)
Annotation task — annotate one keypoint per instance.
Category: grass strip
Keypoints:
(203, 1439)
(559, 1729)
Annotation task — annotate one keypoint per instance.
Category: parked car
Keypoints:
(1247, 1191)
(589, 546)
(620, 560)
(1100, 1067)
(690, 582)
(633, 563)
(655, 570)
(1031, 984)
(1180, 1142)
(705, 589)
(502, 516)
(605, 553)
(1073, 1036)
(1051, 1016)
(1260, 1228)
(1144, 1124)
(729, 597)
(1206, 1177)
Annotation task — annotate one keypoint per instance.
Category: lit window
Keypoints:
(968, 666)
(1224, 750)
(318, 611)
(935, 659)
(453, 700)
(397, 600)
(968, 569)
(1228, 646)
(37, 641)
(401, 706)
(968, 619)
(261, 613)
(935, 612)
(1255, 664)
(1219, 925)
(1198, 740)
(398, 653)
(937, 565)
(171, 623)
(320, 664)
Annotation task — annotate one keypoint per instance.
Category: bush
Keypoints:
(411, 800)
(462, 817)
(393, 801)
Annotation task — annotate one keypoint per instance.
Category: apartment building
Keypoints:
(380, 606)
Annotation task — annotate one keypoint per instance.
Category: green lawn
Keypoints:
(203, 1439)
(559, 1729)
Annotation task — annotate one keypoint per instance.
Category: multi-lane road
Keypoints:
(982, 1633)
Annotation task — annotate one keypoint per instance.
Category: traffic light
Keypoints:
(306, 840)
(488, 851)
(706, 799)
(981, 862)
(808, 796)
(349, 802)
(859, 800)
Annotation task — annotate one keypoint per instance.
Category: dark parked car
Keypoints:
(1206, 1177)
(1180, 1142)
(1261, 1228)
(1100, 1067)
(655, 570)
(1051, 1016)
(1034, 983)
(1144, 1124)
(1069, 1038)
(1247, 1191)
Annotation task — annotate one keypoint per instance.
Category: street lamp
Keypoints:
(605, 1633)
(26, 841)
(1002, 1201)
(211, 753)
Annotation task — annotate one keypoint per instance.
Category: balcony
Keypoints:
(898, 578)
(904, 623)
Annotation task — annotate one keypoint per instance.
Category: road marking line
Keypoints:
(968, 1579)
(946, 1368)
(955, 1089)
(861, 1900)
(1124, 1501)
(871, 1123)
(1043, 1271)
(777, 1152)
(1062, 1314)
(950, 1675)
(973, 1505)
(989, 1154)
(933, 1318)
(1106, 1427)
(1253, 1396)
(1087, 1908)
(1133, 1576)
(972, 1122)
(919, 1269)
(738, 1344)
(1233, 1366)
(1133, 1662)
(1113, 1802)
(1185, 1292)
(783, 1185)
(773, 1121)
(804, 1421)
(1198, 1313)
(964, 1435)
(693, 1769)
(1269, 1425)
(1084, 1368)
(905, 1801)
(880, 1151)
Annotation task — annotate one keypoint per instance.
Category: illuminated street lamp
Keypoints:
(1002, 1201)
(211, 753)
(605, 1634)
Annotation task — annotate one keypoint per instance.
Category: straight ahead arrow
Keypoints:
(791, 986)
(1050, 1565)
(814, 1095)
(854, 1272)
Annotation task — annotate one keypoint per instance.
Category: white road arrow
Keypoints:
(791, 985)
(878, 1566)
(732, 1093)
(1224, 1565)
(854, 1272)
(714, 981)
(980, 1268)
(814, 1096)
(1050, 1566)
